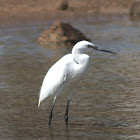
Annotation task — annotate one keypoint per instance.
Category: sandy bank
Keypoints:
(16, 12)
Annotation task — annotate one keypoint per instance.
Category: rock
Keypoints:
(61, 33)
(135, 9)
(62, 4)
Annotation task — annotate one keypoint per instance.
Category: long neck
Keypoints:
(82, 61)
(80, 58)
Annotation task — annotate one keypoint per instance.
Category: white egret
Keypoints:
(66, 73)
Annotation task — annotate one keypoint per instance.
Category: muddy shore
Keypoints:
(22, 12)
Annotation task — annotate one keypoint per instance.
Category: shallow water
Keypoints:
(106, 104)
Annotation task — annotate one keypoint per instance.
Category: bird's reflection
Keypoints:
(67, 133)
(52, 135)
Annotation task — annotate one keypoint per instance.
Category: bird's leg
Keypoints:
(51, 112)
(67, 109)
(50, 115)
(66, 114)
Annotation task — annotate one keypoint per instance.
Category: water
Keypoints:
(105, 106)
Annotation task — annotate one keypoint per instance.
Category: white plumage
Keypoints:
(66, 73)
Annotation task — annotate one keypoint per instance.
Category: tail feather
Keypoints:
(38, 104)
(42, 100)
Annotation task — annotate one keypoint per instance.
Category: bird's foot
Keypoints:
(50, 118)
(66, 120)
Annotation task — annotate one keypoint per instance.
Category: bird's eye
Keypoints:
(88, 46)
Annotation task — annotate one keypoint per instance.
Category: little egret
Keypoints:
(66, 73)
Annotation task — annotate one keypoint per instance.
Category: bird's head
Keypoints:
(85, 47)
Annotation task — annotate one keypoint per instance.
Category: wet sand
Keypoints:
(21, 12)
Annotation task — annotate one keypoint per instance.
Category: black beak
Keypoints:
(99, 49)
